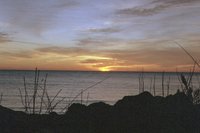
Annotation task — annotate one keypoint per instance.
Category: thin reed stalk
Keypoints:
(179, 79)
(54, 106)
(26, 99)
(191, 73)
(36, 81)
(141, 82)
(163, 80)
(154, 84)
(168, 85)
(198, 79)
(194, 60)
(43, 93)
(150, 85)
(81, 96)
(21, 96)
(87, 98)
(83, 90)
(30, 102)
(48, 99)
(193, 95)
(49, 108)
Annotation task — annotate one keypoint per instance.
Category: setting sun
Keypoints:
(104, 69)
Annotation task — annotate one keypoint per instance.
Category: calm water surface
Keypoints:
(116, 85)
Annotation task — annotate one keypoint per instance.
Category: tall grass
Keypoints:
(37, 99)
(165, 84)
(154, 84)
(81, 93)
(141, 82)
(168, 85)
(192, 93)
(163, 80)
(184, 79)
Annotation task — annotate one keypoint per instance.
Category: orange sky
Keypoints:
(55, 58)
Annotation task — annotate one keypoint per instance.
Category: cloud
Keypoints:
(105, 30)
(140, 11)
(167, 57)
(33, 17)
(65, 4)
(101, 42)
(153, 8)
(159, 20)
(175, 2)
(70, 51)
(151, 56)
(96, 62)
(102, 64)
(90, 61)
(148, 59)
(17, 55)
(4, 38)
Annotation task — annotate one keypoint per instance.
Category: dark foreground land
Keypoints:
(133, 114)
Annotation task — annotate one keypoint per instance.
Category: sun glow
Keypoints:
(104, 69)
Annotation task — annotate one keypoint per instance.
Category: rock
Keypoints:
(142, 113)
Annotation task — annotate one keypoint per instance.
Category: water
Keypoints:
(116, 85)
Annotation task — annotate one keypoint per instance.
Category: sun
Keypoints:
(104, 69)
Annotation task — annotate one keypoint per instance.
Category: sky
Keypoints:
(99, 35)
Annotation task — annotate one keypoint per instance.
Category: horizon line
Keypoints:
(97, 71)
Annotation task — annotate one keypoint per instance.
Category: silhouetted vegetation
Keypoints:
(37, 99)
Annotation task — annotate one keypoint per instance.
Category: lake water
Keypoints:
(110, 86)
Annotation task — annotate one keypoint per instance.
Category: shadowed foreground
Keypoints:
(133, 114)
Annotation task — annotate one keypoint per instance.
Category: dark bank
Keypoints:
(142, 113)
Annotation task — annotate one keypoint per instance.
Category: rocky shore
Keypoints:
(142, 113)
